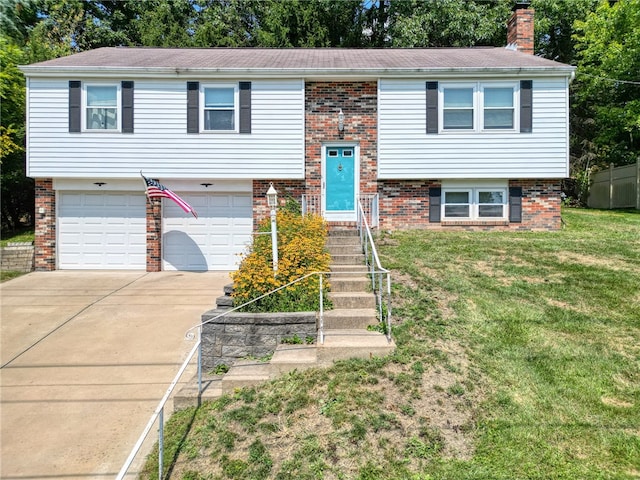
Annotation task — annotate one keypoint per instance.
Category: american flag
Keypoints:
(156, 189)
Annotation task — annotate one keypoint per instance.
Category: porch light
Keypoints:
(340, 121)
(272, 196)
(272, 202)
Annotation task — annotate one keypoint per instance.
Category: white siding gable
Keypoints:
(406, 151)
(160, 145)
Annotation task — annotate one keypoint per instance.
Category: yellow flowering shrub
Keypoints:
(301, 250)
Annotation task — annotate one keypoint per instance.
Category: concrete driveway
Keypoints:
(86, 356)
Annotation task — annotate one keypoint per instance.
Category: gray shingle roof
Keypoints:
(297, 59)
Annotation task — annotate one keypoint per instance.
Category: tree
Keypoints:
(448, 23)
(16, 189)
(607, 89)
(554, 27)
(310, 23)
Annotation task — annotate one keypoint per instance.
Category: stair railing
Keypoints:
(381, 282)
(380, 277)
(158, 414)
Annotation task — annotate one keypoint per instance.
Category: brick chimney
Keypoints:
(520, 28)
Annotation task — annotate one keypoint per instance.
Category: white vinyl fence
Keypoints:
(617, 187)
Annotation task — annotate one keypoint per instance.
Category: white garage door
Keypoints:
(102, 231)
(214, 239)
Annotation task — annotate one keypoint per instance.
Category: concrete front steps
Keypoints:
(345, 329)
(340, 344)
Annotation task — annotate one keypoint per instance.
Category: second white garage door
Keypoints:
(214, 240)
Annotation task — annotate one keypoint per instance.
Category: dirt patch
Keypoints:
(615, 402)
(592, 260)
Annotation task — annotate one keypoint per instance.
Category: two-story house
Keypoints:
(474, 138)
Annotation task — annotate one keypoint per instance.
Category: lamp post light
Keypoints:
(272, 201)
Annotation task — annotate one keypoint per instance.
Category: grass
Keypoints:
(518, 358)
(25, 234)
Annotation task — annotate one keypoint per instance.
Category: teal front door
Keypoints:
(340, 181)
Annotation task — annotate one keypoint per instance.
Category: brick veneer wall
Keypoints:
(286, 189)
(405, 204)
(359, 103)
(45, 225)
(541, 202)
(154, 234)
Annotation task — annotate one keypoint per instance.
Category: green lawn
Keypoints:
(20, 235)
(518, 358)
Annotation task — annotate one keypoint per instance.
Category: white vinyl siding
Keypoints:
(160, 144)
(406, 152)
(102, 230)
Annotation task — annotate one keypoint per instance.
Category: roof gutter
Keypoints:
(316, 73)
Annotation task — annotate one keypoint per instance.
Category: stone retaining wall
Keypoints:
(18, 257)
(242, 335)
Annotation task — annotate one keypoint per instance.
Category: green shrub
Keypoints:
(301, 250)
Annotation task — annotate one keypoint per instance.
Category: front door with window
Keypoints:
(340, 183)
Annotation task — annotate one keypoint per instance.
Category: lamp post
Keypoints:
(272, 201)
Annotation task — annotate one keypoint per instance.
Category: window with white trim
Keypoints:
(480, 106)
(486, 203)
(102, 107)
(458, 108)
(498, 107)
(219, 108)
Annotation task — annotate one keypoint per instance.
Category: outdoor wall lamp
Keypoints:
(340, 121)
(272, 202)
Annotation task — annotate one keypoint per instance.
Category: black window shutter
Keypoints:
(127, 107)
(245, 107)
(526, 106)
(193, 111)
(432, 107)
(75, 106)
(435, 196)
(515, 204)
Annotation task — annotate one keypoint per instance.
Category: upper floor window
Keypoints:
(458, 108)
(102, 104)
(478, 106)
(498, 107)
(220, 110)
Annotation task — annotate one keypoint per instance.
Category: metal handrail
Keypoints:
(376, 270)
(158, 414)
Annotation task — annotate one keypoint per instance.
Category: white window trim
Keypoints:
(441, 88)
(478, 106)
(236, 106)
(474, 205)
(101, 131)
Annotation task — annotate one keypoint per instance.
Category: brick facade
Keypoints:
(404, 203)
(45, 225)
(154, 234)
(287, 189)
(541, 202)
